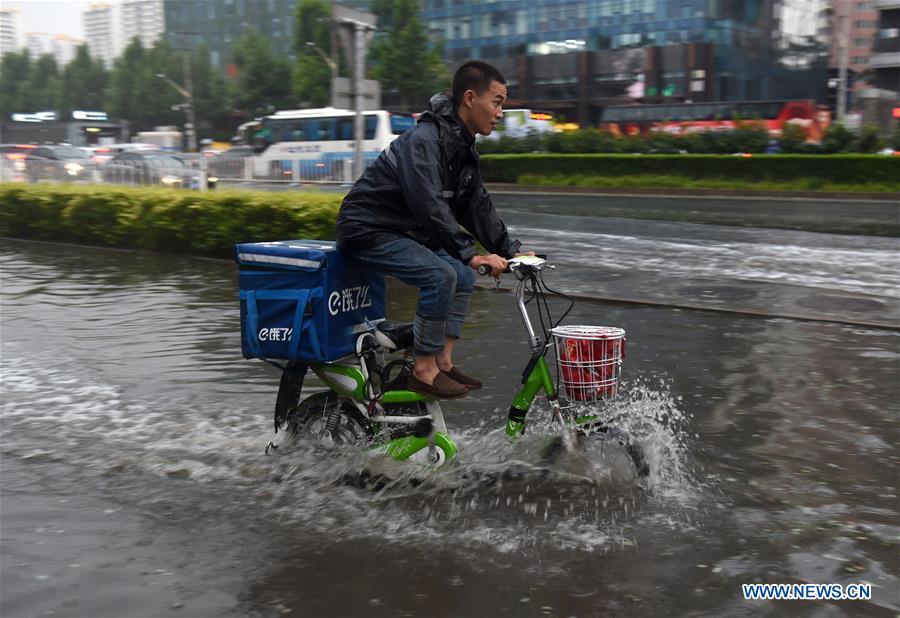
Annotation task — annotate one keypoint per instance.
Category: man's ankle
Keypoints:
(426, 374)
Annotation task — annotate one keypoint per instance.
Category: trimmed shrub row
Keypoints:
(835, 170)
(163, 219)
(747, 137)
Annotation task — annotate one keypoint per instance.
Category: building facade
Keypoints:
(100, 31)
(144, 19)
(854, 25)
(885, 61)
(63, 48)
(11, 35)
(575, 56)
(217, 24)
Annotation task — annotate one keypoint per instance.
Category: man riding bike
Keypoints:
(403, 218)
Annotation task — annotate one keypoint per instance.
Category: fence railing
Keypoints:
(219, 170)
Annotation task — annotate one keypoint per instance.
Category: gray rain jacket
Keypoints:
(424, 186)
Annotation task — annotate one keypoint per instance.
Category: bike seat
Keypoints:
(400, 333)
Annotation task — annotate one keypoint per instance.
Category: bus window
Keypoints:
(345, 128)
(294, 132)
(401, 123)
(326, 129)
(311, 129)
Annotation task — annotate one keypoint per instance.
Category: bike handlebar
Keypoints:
(484, 269)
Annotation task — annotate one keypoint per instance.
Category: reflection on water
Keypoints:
(772, 444)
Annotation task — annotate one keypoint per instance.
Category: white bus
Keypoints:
(317, 144)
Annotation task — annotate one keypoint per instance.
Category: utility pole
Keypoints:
(356, 28)
(843, 42)
(191, 118)
(359, 73)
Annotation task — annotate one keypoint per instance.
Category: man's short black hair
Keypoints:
(474, 75)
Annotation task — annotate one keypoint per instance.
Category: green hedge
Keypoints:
(163, 219)
(836, 169)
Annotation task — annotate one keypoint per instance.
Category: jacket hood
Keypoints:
(442, 112)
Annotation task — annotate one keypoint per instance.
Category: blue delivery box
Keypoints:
(304, 300)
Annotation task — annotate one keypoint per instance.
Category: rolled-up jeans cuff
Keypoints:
(458, 310)
(428, 336)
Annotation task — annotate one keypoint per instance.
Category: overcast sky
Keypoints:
(51, 16)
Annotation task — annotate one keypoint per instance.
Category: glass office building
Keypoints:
(219, 23)
(582, 54)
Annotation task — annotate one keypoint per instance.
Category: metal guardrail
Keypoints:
(220, 169)
(325, 169)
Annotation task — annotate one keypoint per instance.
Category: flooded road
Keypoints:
(134, 481)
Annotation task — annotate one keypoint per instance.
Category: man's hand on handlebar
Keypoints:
(496, 264)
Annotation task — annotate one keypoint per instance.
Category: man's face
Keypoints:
(486, 109)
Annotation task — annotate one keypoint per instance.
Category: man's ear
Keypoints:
(469, 98)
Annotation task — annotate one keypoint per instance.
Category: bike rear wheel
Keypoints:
(327, 417)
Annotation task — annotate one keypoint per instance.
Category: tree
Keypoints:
(83, 83)
(792, 138)
(124, 94)
(403, 59)
(312, 75)
(838, 138)
(210, 96)
(157, 101)
(870, 139)
(15, 80)
(263, 81)
(45, 84)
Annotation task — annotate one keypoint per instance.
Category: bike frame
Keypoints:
(353, 381)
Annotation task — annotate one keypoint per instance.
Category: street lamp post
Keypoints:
(188, 95)
(334, 70)
(188, 104)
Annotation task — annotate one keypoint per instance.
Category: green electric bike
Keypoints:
(366, 403)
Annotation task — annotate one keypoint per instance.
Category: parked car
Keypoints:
(150, 167)
(12, 161)
(58, 164)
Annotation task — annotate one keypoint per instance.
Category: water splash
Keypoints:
(498, 494)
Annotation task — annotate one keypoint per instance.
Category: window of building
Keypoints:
(866, 23)
(862, 42)
(860, 60)
(864, 6)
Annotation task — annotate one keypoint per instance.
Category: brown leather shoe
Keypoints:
(442, 388)
(458, 376)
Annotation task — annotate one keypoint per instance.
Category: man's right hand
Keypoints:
(496, 263)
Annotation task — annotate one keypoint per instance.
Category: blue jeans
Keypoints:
(445, 287)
